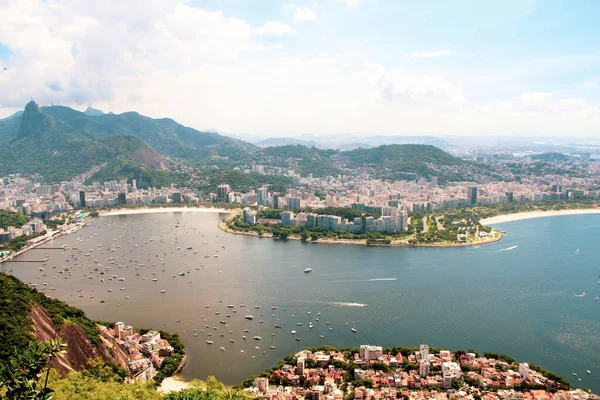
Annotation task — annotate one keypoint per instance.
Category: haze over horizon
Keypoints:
(288, 68)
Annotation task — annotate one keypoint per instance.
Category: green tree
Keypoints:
(22, 375)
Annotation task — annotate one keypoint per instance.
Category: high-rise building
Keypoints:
(122, 198)
(249, 216)
(300, 365)
(82, 199)
(450, 371)
(223, 192)
(369, 224)
(424, 352)
(176, 197)
(524, 370)
(294, 203)
(423, 368)
(286, 217)
(370, 352)
(276, 200)
(262, 195)
(509, 197)
(311, 220)
(472, 195)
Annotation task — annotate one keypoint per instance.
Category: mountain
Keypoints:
(46, 144)
(34, 122)
(424, 160)
(550, 157)
(93, 112)
(302, 159)
(59, 143)
(285, 142)
(171, 138)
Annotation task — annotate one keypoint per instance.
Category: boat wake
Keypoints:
(381, 279)
(340, 303)
(508, 248)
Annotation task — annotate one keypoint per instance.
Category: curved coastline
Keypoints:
(149, 210)
(362, 242)
(499, 219)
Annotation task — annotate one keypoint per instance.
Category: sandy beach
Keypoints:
(173, 384)
(125, 211)
(536, 214)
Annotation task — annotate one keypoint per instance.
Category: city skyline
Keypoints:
(283, 68)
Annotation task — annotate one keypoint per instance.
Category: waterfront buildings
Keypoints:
(391, 375)
(145, 353)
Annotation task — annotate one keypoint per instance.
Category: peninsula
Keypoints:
(373, 372)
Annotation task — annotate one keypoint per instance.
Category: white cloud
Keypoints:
(211, 71)
(274, 28)
(300, 13)
(352, 3)
(431, 54)
(533, 101)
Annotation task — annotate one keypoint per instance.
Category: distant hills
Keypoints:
(285, 142)
(59, 142)
(350, 141)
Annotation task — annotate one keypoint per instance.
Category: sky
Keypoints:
(269, 68)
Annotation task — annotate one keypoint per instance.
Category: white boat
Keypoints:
(250, 317)
(307, 270)
(257, 338)
(293, 332)
(209, 342)
(353, 330)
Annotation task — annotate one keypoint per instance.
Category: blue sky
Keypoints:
(284, 68)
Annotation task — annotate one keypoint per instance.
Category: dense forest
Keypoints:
(209, 179)
(10, 218)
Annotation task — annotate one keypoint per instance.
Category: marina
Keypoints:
(413, 295)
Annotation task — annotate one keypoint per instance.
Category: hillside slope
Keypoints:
(424, 160)
(26, 314)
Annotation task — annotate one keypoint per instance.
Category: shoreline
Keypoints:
(499, 219)
(151, 210)
(362, 242)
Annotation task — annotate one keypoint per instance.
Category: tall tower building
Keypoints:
(262, 195)
(423, 368)
(424, 352)
(472, 195)
(223, 192)
(82, 199)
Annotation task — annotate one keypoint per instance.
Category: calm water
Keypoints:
(517, 296)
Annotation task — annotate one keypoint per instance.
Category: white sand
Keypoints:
(173, 384)
(536, 214)
(126, 211)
